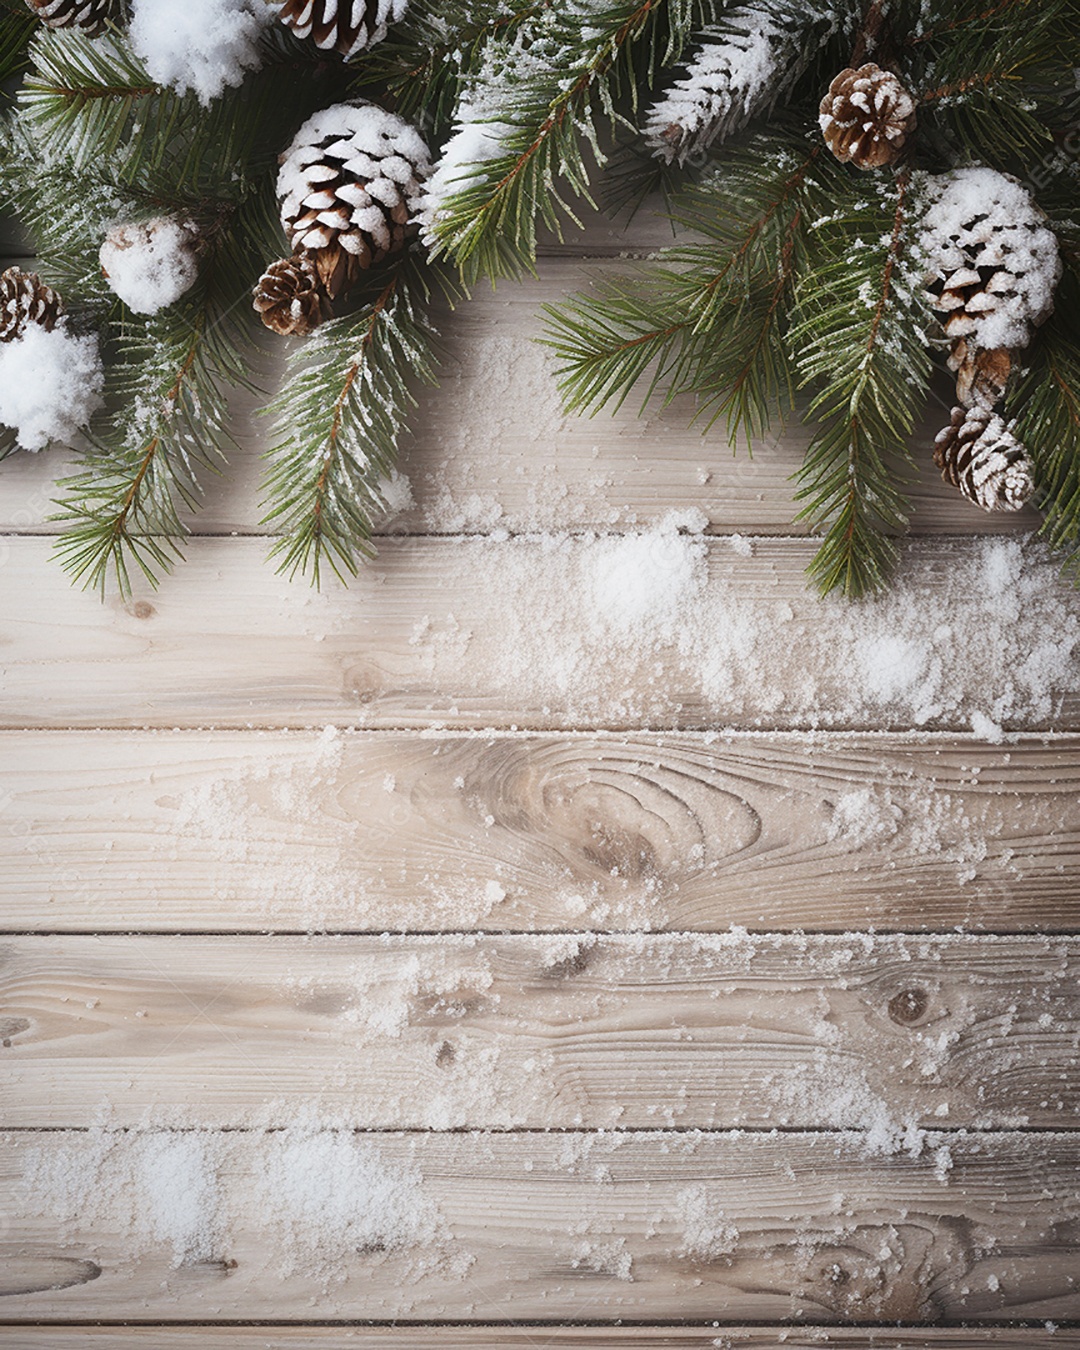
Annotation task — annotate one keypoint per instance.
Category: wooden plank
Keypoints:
(654, 631)
(536, 1337)
(733, 1227)
(888, 1035)
(383, 831)
(491, 449)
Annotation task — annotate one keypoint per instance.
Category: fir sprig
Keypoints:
(338, 419)
(580, 63)
(860, 340)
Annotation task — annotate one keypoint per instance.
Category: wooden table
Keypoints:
(631, 1041)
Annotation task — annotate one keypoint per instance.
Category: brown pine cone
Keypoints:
(345, 26)
(981, 373)
(349, 188)
(289, 298)
(867, 116)
(979, 454)
(87, 14)
(25, 299)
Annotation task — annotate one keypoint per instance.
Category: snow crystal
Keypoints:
(50, 384)
(201, 45)
(150, 264)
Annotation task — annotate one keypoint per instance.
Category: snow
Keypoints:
(150, 264)
(51, 384)
(475, 142)
(313, 1193)
(204, 46)
(976, 219)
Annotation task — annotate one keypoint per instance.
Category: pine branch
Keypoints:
(16, 29)
(861, 339)
(1047, 406)
(338, 419)
(708, 320)
(578, 66)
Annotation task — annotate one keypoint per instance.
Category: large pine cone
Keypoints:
(345, 26)
(90, 14)
(289, 298)
(25, 299)
(978, 454)
(867, 117)
(349, 188)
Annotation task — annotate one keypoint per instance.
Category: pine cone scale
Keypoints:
(25, 300)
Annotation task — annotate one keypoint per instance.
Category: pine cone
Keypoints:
(345, 26)
(867, 116)
(981, 373)
(25, 299)
(288, 297)
(349, 188)
(88, 14)
(979, 454)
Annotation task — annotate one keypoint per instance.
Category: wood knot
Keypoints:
(908, 1006)
(142, 609)
(445, 1055)
(12, 1026)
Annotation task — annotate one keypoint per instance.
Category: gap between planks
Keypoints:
(448, 832)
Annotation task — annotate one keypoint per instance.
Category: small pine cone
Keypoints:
(87, 14)
(981, 373)
(867, 117)
(345, 26)
(25, 299)
(289, 298)
(979, 454)
(349, 188)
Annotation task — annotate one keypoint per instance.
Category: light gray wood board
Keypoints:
(880, 1034)
(409, 1336)
(657, 631)
(739, 1227)
(381, 831)
(491, 449)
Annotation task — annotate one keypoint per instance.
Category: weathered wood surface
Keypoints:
(491, 449)
(563, 1227)
(879, 1034)
(424, 639)
(537, 1336)
(381, 831)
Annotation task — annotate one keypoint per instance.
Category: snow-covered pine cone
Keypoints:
(992, 267)
(345, 26)
(978, 453)
(867, 117)
(25, 299)
(89, 14)
(349, 188)
(289, 298)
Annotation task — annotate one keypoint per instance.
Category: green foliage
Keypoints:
(567, 70)
(859, 339)
(338, 418)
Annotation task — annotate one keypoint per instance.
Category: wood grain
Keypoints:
(537, 1337)
(385, 831)
(490, 449)
(562, 1227)
(425, 639)
(882, 1035)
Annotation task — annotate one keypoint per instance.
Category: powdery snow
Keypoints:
(474, 143)
(51, 384)
(150, 264)
(204, 46)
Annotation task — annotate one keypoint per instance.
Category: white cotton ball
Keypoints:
(150, 264)
(200, 45)
(50, 384)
